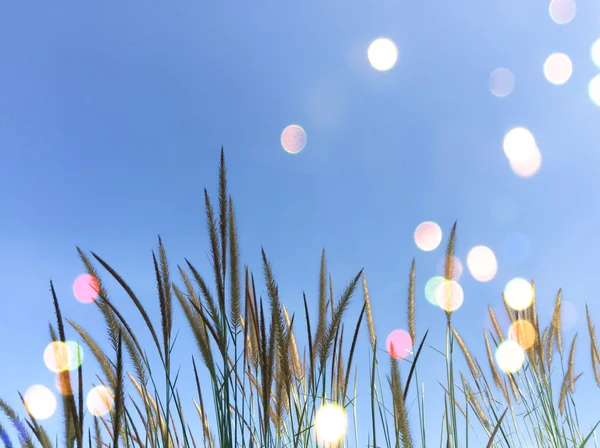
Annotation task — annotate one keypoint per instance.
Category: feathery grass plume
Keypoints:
(571, 364)
(24, 436)
(564, 388)
(100, 356)
(198, 328)
(495, 375)
(549, 348)
(463, 347)
(370, 322)
(556, 321)
(400, 413)
(5, 439)
(213, 311)
(223, 215)
(322, 316)
(340, 310)
(495, 323)
(595, 357)
(449, 262)
(340, 384)
(411, 303)
(117, 417)
(215, 250)
(475, 405)
(234, 279)
(132, 345)
(293, 350)
(38, 431)
(98, 433)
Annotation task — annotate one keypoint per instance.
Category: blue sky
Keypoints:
(112, 117)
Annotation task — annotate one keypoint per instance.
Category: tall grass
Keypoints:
(266, 391)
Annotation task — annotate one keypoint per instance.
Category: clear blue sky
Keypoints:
(112, 116)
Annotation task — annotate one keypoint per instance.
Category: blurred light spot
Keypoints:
(504, 209)
(60, 356)
(522, 332)
(516, 247)
(502, 82)
(518, 293)
(594, 89)
(382, 54)
(519, 145)
(457, 268)
(558, 68)
(527, 168)
(40, 402)
(331, 423)
(562, 11)
(100, 400)
(428, 236)
(431, 288)
(293, 139)
(450, 296)
(56, 356)
(63, 383)
(595, 52)
(75, 354)
(568, 316)
(510, 356)
(482, 263)
(86, 288)
(399, 344)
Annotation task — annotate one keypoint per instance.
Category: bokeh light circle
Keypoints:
(562, 11)
(519, 145)
(40, 402)
(331, 424)
(428, 236)
(61, 356)
(450, 296)
(502, 82)
(431, 288)
(594, 90)
(522, 332)
(100, 400)
(56, 356)
(529, 167)
(595, 52)
(510, 356)
(558, 68)
(399, 344)
(293, 139)
(518, 293)
(382, 54)
(86, 288)
(482, 263)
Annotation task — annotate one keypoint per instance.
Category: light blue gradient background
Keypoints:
(112, 116)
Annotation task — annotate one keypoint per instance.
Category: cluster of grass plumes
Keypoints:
(266, 392)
